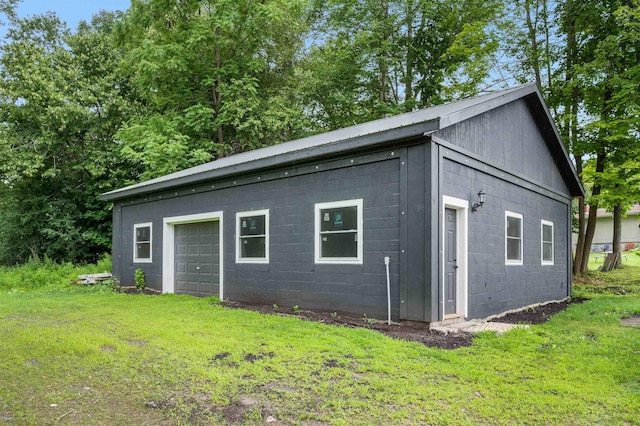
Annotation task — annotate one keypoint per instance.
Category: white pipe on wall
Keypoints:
(387, 261)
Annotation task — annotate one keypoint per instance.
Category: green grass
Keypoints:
(629, 258)
(625, 280)
(85, 355)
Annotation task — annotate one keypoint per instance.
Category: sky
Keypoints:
(70, 11)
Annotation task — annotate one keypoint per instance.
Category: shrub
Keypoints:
(40, 273)
(140, 281)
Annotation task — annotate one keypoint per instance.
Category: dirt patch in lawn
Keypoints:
(633, 321)
(406, 330)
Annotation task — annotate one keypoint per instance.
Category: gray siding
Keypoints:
(495, 287)
(508, 138)
(291, 277)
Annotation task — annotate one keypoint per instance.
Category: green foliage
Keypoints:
(213, 300)
(368, 320)
(216, 78)
(61, 103)
(140, 280)
(110, 284)
(295, 308)
(372, 59)
(43, 273)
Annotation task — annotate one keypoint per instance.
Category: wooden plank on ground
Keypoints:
(610, 262)
(94, 278)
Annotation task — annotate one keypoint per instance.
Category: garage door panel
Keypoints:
(192, 287)
(197, 257)
(205, 289)
(192, 268)
(206, 231)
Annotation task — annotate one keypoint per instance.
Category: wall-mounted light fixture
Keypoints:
(482, 197)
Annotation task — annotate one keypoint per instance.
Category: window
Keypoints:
(513, 238)
(338, 232)
(142, 243)
(252, 230)
(546, 249)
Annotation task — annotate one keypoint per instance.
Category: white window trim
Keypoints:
(553, 245)
(239, 258)
(508, 261)
(137, 259)
(340, 260)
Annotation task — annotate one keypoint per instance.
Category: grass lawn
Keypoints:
(76, 355)
(629, 258)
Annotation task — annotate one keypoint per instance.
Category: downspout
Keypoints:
(387, 260)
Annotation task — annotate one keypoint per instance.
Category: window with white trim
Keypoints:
(252, 236)
(513, 238)
(546, 238)
(338, 232)
(142, 242)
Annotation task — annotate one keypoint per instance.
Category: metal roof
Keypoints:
(421, 122)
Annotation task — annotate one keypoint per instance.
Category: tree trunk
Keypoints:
(617, 234)
(535, 60)
(217, 96)
(591, 222)
(408, 77)
(547, 53)
(571, 129)
(383, 58)
(577, 262)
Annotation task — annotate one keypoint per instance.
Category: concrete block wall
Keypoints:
(291, 277)
(494, 286)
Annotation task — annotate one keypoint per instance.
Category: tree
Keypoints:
(586, 57)
(61, 102)
(610, 81)
(376, 58)
(216, 77)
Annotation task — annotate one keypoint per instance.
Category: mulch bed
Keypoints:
(538, 314)
(410, 331)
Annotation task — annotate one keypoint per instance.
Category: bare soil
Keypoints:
(406, 330)
(538, 314)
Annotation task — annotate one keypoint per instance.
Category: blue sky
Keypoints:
(71, 11)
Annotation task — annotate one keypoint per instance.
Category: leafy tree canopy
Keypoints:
(216, 78)
(61, 101)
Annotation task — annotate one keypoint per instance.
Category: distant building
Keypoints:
(603, 237)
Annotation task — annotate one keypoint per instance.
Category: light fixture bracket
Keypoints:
(482, 197)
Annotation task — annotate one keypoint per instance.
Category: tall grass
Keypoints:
(39, 274)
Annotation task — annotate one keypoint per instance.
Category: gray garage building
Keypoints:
(311, 221)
